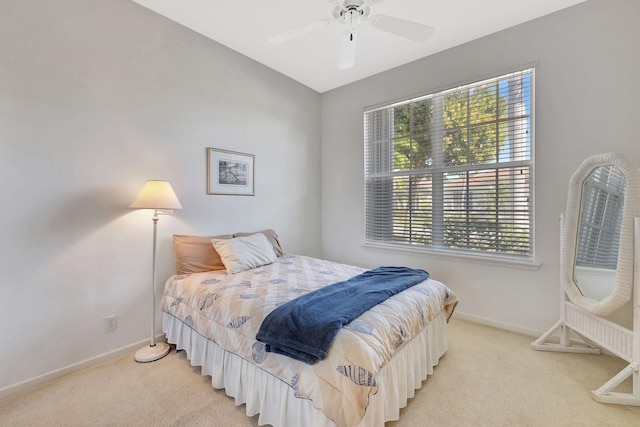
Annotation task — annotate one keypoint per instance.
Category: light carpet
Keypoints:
(488, 377)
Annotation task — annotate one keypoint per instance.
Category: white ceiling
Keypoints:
(245, 26)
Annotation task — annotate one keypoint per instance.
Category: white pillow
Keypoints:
(244, 253)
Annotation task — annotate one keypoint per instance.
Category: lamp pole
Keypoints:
(153, 281)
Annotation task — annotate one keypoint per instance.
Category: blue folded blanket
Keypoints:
(305, 327)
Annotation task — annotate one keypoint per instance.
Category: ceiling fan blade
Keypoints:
(348, 50)
(299, 31)
(403, 28)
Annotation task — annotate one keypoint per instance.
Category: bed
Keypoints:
(374, 365)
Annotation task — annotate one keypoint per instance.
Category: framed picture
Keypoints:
(229, 172)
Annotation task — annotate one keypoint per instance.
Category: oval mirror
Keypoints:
(597, 233)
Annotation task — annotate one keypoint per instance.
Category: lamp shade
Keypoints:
(156, 195)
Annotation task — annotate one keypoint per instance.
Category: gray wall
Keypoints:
(586, 102)
(96, 97)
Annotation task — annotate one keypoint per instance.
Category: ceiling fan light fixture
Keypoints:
(352, 17)
(345, 7)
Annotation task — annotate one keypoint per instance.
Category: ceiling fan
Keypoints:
(350, 13)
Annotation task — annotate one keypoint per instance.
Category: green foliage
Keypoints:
(470, 135)
(412, 132)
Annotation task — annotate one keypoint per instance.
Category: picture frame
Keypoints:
(230, 172)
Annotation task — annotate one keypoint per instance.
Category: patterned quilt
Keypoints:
(229, 309)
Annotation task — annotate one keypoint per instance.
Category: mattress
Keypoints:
(373, 366)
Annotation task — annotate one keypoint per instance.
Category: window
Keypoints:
(453, 170)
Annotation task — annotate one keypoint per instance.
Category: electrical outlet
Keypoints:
(110, 323)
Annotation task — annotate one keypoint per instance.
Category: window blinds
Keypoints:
(453, 170)
(600, 222)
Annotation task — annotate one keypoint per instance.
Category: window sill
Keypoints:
(452, 255)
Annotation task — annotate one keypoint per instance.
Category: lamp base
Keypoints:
(149, 353)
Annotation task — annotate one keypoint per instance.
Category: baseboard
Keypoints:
(496, 324)
(87, 363)
(41, 379)
(513, 328)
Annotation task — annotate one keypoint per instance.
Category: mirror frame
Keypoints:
(623, 285)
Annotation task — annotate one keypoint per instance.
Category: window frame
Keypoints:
(439, 171)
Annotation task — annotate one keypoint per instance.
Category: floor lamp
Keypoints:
(159, 196)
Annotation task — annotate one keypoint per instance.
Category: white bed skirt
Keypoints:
(273, 399)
